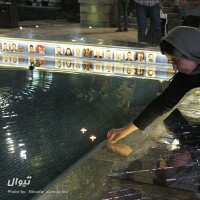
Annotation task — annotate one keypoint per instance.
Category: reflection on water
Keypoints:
(43, 116)
(121, 149)
(174, 162)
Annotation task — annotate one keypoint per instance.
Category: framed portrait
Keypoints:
(68, 51)
(5, 46)
(128, 56)
(140, 56)
(98, 53)
(78, 51)
(40, 48)
(88, 52)
(118, 55)
(58, 50)
(14, 47)
(108, 54)
(31, 48)
(151, 57)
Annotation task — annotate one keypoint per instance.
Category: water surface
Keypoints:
(42, 113)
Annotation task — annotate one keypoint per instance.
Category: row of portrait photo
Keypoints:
(21, 60)
(108, 54)
(17, 47)
(82, 65)
(85, 52)
(115, 68)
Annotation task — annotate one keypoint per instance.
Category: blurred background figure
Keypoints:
(149, 9)
(182, 4)
(122, 12)
(192, 17)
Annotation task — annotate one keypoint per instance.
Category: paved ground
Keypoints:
(68, 31)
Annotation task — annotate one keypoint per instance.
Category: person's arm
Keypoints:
(116, 134)
(179, 86)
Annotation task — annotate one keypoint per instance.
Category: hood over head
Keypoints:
(185, 39)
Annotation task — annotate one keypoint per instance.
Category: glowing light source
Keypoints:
(92, 138)
(20, 28)
(36, 26)
(90, 27)
(83, 130)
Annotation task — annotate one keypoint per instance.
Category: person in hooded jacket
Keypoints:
(184, 55)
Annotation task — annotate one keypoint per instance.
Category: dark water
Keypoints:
(42, 113)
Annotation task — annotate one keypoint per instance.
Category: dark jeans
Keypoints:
(142, 12)
(122, 11)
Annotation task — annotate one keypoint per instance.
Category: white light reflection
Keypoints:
(175, 144)
(5, 127)
(100, 41)
(90, 27)
(92, 138)
(10, 144)
(21, 144)
(23, 154)
(83, 130)
(36, 26)
(9, 141)
(11, 149)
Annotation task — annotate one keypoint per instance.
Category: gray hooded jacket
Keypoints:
(187, 41)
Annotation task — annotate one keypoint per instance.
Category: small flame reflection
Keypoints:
(83, 130)
(92, 138)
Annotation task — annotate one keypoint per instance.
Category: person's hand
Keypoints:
(121, 149)
(116, 134)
